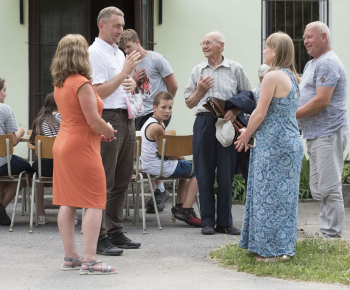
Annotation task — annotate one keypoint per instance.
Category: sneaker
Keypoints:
(160, 196)
(187, 215)
(228, 230)
(4, 218)
(121, 241)
(42, 220)
(150, 209)
(176, 207)
(106, 247)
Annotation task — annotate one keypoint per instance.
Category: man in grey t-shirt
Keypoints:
(153, 66)
(323, 121)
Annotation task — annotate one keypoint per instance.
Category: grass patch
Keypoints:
(316, 259)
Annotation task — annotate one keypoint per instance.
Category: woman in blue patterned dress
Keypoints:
(270, 220)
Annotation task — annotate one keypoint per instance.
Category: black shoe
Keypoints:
(228, 230)
(160, 196)
(4, 218)
(176, 208)
(106, 247)
(121, 241)
(150, 209)
(207, 230)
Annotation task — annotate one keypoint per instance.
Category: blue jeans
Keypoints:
(183, 169)
(18, 164)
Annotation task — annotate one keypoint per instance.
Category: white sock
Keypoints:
(160, 187)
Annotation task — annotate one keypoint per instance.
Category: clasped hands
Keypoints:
(111, 137)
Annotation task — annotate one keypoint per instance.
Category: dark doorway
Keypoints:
(50, 20)
(126, 6)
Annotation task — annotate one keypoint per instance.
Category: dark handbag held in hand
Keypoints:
(217, 108)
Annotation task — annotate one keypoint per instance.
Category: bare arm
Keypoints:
(316, 104)
(171, 84)
(106, 89)
(17, 135)
(88, 105)
(203, 86)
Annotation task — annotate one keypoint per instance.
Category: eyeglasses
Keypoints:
(208, 43)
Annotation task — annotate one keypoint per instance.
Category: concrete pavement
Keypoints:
(173, 258)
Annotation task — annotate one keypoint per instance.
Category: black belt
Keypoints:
(205, 114)
(124, 111)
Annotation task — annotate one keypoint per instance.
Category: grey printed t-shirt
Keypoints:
(7, 124)
(325, 71)
(229, 78)
(157, 68)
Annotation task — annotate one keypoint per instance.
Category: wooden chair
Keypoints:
(43, 149)
(171, 145)
(6, 150)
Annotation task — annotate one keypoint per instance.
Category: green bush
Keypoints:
(304, 187)
(346, 170)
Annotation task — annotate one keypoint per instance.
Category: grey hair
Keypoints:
(322, 28)
(107, 12)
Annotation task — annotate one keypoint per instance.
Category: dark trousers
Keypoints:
(209, 155)
(18, 164)
(118, 159)
(140, 121)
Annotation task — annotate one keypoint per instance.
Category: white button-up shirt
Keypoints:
(107, 61)
(229, 78)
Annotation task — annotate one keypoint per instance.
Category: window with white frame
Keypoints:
(291, 17)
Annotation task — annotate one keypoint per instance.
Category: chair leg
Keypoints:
(32, 208)
(143, 207)
(82, 217)
(24, 200)
(15, 204)
(135, 220)
(174, 183)
(154, 202)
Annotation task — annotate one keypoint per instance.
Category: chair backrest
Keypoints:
(3, 146)
(175, 145)
(171, 132)
(43, 146)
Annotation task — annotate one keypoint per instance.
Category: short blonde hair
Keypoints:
(71, 57)
(107, 12)
(283, 46)
(127, 35)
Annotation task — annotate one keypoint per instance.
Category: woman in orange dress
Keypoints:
(78, 176)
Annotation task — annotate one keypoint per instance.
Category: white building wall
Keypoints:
(186, 22)
(14, 62)
(184, 25)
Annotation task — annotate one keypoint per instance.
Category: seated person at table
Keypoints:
(18, 164)
(174, 166)
(46, 123)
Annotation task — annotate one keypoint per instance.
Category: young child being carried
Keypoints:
(174, 166)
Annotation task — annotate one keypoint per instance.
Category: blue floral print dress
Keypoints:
(270, 217)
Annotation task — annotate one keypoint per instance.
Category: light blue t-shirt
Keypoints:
(325, 71)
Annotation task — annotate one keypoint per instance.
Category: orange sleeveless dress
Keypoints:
(78, 175)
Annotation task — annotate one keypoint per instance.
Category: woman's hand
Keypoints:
(109, 137)
(242, 140)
